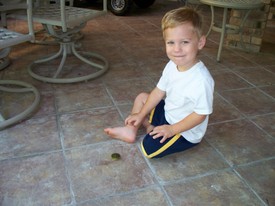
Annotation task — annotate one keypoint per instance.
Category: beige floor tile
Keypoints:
(84, 128)
(250, 102)
(225, 80)
(223, 188)
(266, 122)
(126, 91)
(261, 177)
(257, 76)
(83, 97)
(152, 196)
(34, 181)
(223, 111)
(270, 90)
(95, 174)
(193, 162)
(31, 136)
(240, 141)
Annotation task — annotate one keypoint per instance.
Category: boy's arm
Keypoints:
(187, 123)
(153, 99)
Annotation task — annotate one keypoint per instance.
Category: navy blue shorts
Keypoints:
(152, 148)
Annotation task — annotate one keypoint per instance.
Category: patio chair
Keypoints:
(64, 23)
(8, 39)
(40, 34)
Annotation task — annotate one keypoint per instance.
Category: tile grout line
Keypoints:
(61, 138)
(249, 187)
(113, 101)
(233, 168)
(260, 128)
(156, 178)
(198, 176)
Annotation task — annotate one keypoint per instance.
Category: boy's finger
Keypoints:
(155, 136)
(153, 133)
(163, 140)
(136, 123)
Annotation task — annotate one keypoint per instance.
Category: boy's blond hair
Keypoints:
(180, 16)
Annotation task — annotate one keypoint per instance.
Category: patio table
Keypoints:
(224, 28)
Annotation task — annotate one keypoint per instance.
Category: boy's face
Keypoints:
(182, 45)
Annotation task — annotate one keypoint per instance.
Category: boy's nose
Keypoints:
(177, 47)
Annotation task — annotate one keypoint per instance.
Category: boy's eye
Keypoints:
(182, 42)
(185, 42)
(170, 42)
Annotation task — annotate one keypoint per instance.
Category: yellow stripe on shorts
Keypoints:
(151, 116)
(162, 149)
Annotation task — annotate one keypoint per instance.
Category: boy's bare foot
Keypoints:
(126, 134)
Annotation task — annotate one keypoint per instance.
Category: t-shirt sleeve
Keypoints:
(204, 99)
(163, 81)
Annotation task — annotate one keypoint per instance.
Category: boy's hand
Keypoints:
(164, 131)
(134, 120)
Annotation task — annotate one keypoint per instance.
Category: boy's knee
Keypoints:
(142, 97)
(150, 147)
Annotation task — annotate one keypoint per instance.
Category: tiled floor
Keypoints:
(61, 156)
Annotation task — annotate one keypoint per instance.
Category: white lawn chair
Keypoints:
(8, 39)
(64, 23)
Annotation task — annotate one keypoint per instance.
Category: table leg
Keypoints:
(1, 118)
(223, 31)
(212, 21)
(241, 30)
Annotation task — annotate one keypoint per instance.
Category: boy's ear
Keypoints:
(202, 42)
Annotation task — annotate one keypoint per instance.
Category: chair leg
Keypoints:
(21, 87)
(4, 58)
(66, 49)
(4, 62)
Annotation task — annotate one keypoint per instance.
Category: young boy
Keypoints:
(179, 121)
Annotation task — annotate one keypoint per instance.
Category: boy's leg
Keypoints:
(152, 148)
(139, 102)
(128, 133)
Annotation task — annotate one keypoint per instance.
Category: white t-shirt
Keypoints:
(187, 92)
